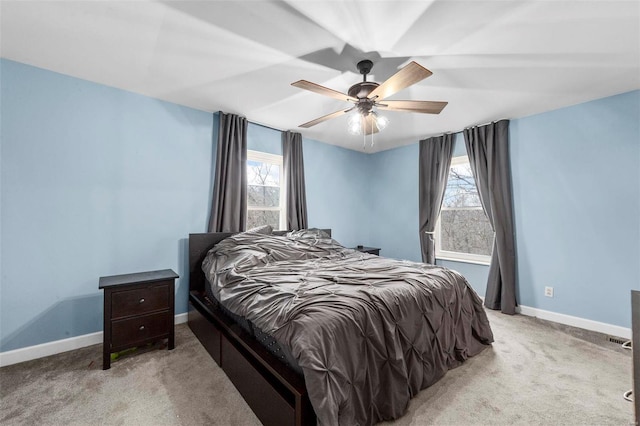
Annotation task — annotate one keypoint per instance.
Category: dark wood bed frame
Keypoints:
(275, 393)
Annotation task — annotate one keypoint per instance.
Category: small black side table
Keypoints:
(138, 309)
(370, 250)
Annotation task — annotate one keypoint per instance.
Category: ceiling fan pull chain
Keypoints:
(372, 124)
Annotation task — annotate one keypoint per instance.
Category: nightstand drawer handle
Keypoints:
(141, 327)
(141, 300)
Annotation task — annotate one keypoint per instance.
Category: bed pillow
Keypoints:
(316, 238)
(250, 233)
(307, 233)
(264, 229)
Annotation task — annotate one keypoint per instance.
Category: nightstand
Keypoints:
(138, 309)
(370, 250)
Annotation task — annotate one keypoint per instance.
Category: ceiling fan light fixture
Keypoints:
(381, 120)
(354, 123)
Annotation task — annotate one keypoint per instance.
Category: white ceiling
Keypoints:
(490, 59)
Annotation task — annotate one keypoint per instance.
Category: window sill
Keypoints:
(474, 262)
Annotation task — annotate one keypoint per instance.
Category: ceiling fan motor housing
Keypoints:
(361, 90)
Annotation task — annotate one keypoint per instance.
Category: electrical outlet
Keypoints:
(548, 291)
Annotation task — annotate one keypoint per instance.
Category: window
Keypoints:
(265, 190)
(463, 231)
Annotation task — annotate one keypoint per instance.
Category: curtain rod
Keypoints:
(475, 125)
(267, 127)
(262, 125)
(273, 128)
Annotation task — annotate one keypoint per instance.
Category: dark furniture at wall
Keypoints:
(635, 327)
(138, 309)
(370, 250)
(275, 393)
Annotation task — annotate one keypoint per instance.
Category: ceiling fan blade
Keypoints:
(325, 118)
(425, 107)
(369, 125)
(313, 87)
(408, 75)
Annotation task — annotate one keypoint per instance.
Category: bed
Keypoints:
(356, 335)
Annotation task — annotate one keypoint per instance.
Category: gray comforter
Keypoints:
(368, 332)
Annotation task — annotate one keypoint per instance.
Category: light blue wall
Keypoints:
(264, 139)
(459, 148)
(476, 274)
(98, 181)
(95, 181)
(394, 214)
(394, 224)
(339, 191)
(576, 185)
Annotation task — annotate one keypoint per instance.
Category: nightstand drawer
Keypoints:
(133, 330)
(140, 300)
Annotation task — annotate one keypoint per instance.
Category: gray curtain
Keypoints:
(229, 204)
(488, 149)
(294, 179)
(434, 162)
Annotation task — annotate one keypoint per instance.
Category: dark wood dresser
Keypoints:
(138, 309)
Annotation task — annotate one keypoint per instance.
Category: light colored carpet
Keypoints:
(534, 374)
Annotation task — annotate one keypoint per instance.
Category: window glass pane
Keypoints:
(466, 231)
(463, 226)
(263, 188)
(259, 173)
(263, 196)
(461, 188)
(263, 217)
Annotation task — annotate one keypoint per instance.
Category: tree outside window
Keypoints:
(463, 231)
(265, 193)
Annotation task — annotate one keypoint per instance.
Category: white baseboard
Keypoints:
(58, 346)
(600, 327)
(50, 348)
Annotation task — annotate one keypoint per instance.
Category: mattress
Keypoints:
(265, 339)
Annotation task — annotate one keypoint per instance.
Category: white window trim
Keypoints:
(455, 256)
(265, 157)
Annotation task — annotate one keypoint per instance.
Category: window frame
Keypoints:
(456, 256)
(275, 159)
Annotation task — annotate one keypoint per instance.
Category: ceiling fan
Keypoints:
(368, 96)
